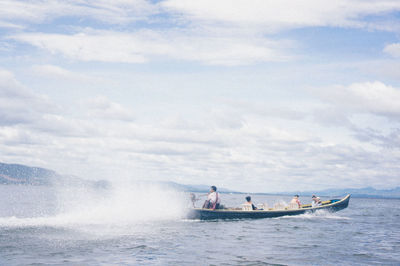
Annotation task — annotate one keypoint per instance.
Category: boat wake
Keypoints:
(120, 205)
(320, 214)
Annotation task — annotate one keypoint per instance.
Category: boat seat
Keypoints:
(262, 206)
(293, 206)
(279, 206)
(246, 207)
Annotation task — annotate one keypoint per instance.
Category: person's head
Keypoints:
(296, 196)
(313, 197)
(213, 188)
(248, 198)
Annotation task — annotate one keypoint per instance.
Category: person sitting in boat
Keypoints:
(213, 200)
(296, 200)
(316, 201)
(248, 202)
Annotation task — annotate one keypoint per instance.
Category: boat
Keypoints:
(332, 205)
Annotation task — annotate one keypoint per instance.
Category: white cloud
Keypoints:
(139, 47)
(228, 145)
(274, 158)
(274, 15)
(215, 33)
(268, 14)
(59, 73)
(113, 12)
(393, 49)
(369, 97)
(103, 48)
(19, 104)
(8, 83)
(52, 70)
(102, 108)
(10, 25)
(370, 112)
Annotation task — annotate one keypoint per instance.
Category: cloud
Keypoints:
(386, 69)
(369, 97)
(19, 104)
(277, 15)
(59, 73)
(102, 108)
(141, 46)
(269, 15)
(10, 25)
(393, 49)
(369, 111)
(331, 116)
(101, 48)
(114, 12)
(53, 71)
(277, 140)
(224, 33)
(23, 109)
(11, 93)
(389, 141)
(273, 157)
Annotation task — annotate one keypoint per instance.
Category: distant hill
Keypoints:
(26, 175)
(367, 192)
(21, 174)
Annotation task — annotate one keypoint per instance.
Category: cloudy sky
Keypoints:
(252, 95)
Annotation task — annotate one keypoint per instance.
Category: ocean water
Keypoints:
(129, 224)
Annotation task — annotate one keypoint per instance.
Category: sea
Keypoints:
(138, 224)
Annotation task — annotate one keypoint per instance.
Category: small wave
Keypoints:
(320, 214)
(13, 221)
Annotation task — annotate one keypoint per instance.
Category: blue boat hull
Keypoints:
(207, 214)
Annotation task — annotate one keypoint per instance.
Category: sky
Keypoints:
(255, 95)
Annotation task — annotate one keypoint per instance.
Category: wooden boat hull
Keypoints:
(207, 214)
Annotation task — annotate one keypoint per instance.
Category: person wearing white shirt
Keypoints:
(316, 201)
(213, 200)
(296, 200)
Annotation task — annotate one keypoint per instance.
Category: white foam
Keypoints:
(123, 204)
(319, 214)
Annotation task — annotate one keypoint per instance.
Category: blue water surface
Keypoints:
(35, 231)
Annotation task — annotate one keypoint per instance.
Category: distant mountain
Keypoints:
(367, 192)
(21, 174)
(26, 175)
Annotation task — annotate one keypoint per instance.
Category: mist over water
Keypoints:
(142, 224)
